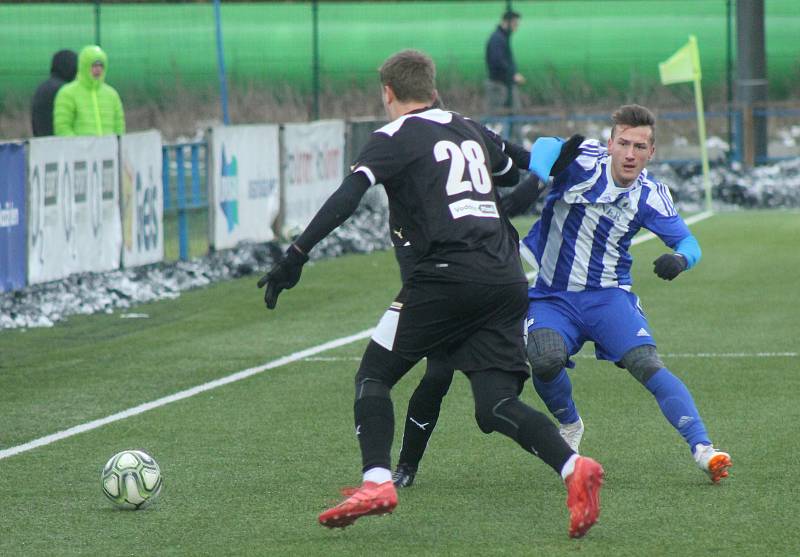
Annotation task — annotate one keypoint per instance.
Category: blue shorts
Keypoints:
(611, 318)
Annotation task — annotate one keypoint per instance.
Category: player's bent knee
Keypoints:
(642, 362)
(504, 415)
(494, 393)
(547, 353)
(486, 417)
(371, 388)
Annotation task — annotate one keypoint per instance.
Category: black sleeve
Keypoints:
(507, 179)
(340, 205)
(519, 154)
(520, 199)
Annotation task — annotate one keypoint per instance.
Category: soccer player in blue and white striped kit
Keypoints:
(583, 290)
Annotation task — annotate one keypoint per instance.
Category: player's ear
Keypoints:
(388, 94)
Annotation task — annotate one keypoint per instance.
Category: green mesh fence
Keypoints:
(600, 44)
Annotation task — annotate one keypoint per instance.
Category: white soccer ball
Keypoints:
(131, 479)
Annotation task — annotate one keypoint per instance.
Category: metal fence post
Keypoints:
(223, 79)
(165, 177)
(315, 58)
(183, 228)
(97, 22)
(195, 157)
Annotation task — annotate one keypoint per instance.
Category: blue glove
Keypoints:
(551, 155)
(544, 153)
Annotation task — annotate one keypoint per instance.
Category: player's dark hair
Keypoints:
(511, 14)
(634, 115)
(412, 76)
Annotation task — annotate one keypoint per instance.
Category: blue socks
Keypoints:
(557, 396)
(678, 406)
(673, 398)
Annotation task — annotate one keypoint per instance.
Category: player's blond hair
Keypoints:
(412, 76)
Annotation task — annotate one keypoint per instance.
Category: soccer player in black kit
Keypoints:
(465, 299)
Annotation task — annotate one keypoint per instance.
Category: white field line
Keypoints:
(238, 376)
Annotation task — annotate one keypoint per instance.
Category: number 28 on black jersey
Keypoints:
(437, 169)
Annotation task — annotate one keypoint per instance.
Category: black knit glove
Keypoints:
(284, 274)
(569, 152)
(669, 265)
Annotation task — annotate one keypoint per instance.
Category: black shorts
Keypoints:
(473, 326)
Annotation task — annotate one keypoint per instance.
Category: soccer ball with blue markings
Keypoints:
(131, 479)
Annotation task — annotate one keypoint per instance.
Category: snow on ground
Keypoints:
(771, 186)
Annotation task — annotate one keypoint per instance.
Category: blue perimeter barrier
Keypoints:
(176, 200)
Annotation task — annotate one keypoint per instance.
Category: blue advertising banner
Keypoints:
(12, 216)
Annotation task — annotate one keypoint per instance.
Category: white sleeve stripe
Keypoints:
(509, 164)
(367, 172)
(669, 209)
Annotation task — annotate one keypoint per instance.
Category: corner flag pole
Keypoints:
(701, 131)
(681, 67)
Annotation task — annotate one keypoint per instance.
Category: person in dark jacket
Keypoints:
(501, 87)
(62, 70)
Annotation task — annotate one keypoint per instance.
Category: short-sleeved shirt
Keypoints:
(582, 239)
(437, 169)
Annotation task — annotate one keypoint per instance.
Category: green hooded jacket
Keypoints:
(88, 106)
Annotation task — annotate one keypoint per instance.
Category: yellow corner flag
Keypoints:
(682, 66)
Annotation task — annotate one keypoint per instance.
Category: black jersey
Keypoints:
(437, 169)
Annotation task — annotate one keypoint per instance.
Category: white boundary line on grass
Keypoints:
(238, 376)
(244, 374)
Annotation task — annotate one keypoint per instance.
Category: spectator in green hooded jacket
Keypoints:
(88, 105)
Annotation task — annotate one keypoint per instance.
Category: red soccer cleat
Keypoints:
(370, 498)
(583, 496)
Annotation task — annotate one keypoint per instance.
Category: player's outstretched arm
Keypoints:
(342, 203)
(521, 197)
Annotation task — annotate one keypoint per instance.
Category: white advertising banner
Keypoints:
(313, 167)
(142, 195)
(245, 187)
(74, 224)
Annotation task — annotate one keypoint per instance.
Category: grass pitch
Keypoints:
(248, 466)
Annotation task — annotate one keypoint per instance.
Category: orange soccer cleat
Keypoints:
(583, 496)
(715, 463)
(371, 498)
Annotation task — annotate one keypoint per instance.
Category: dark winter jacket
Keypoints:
(499, 60)
(62, 70)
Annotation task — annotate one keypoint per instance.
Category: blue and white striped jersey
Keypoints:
(581, 241)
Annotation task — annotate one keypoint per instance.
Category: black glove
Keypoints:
(284, 274)
(569, 152)
(521, 197)
(669, 265)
